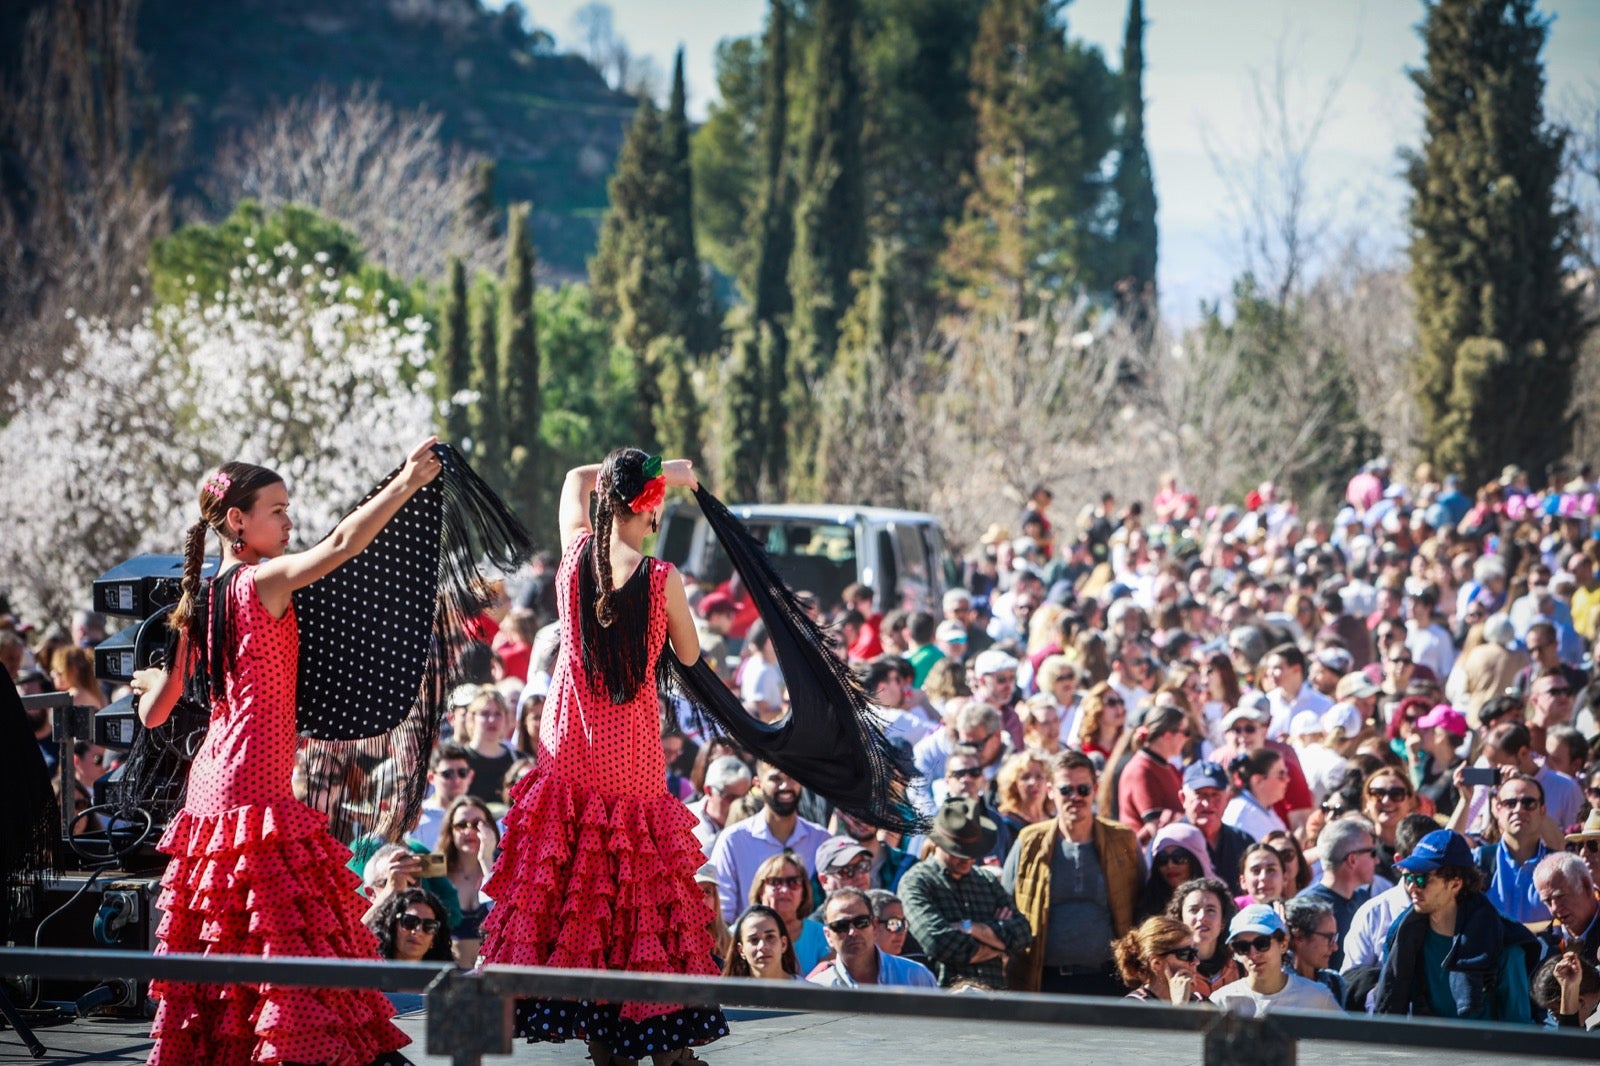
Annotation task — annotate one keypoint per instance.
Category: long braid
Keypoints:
(603, 610)
(194, 555)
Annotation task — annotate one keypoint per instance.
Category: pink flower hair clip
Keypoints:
(217, 484)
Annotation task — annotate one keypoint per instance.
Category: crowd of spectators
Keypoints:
(1229, 754)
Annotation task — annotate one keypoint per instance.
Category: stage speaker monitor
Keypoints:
(143, 585)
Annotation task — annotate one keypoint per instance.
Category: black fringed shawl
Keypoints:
(831, 741)
(28, 830)
(379, 641)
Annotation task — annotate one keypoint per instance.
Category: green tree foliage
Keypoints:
(830, 225)
(724, 155)
(453, 362)
(518, 389)
(483, 421)
(745, 430)
(680, 419)
(1499, 327)
(917, 130)
(1031, 228)
(202, 260)
(1133, 185)
(586, 380)
(689, 294)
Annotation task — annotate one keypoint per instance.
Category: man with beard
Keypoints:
(744, 846)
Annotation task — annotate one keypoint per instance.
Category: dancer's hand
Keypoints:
(422, 465)
(680, 474)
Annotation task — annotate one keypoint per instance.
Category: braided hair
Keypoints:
(622, 478)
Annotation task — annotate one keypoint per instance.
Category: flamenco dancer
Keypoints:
(253, 871)
(598, 861)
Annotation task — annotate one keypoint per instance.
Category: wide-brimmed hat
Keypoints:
(961, 828)
(1590, 830)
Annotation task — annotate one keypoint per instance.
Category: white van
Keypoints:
(821, 548)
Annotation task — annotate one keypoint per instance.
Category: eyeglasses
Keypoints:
(790, 883)
(1526, 803)
(1333, 809)
(1248, 729)
(895, 925)
(1112, 701)
(1578, 847)
(412, 922)
(855, 869)
(1081, 791)
(967, 772)
(1332, 938)
(1360, 851)
(1415, 880)
(474, 824)
(1393, 795)
(1171, 857)
(841, 926)
(450, 773)
(1186, 954)
(1258, 945)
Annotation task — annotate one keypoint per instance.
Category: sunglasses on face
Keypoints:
(1396, 794)
(452, 774)
(474, 824)
(1578, 847)
(970, 772)
(412, 922)
(1398, 662)
(1081, 791)
(784, 882)
(1171, 857)
(895, 925)
(1415, 880)
(1259, 945)
(1333, 810)
(855, 869)
(1112, 701)
(1189, 954)
(1512, 803)
(841, 926)
(1361, 851)
(1248, 729)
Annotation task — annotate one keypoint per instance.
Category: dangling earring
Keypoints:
(238, 543)
(655, 522)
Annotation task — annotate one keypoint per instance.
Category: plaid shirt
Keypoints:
(936, 905)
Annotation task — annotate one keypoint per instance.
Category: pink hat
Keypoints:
(1187, 837)
(1443, 714)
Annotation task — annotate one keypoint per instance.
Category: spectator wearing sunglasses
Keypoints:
(1567, 889)
(1349, 862)
(1258, 938)
(1075, 879)
(857, 960)
(1313, 936)
(1177, 854)
(1364, 940)
(1387, 799)
(1157, 960)
(782, 885)
(449, 776)
(1245, 730)
(894, 930)
(842, 862)
(964, 779)
(409, 927)
(1508, 748)
(1585, 843)
(1452, 955)
(1508, 864)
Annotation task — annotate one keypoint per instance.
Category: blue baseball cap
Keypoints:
(1257, 918)
(1442, 847)
(1204, 774)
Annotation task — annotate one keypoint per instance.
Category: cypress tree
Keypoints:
(1044, 113)
(453, 364)
(519, 367)
(1134, 187)
(484, 419)
(690, 294)
(1499, 328)
(679, 418)
(755, 444)
(830, 225)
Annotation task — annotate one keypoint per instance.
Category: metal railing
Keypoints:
(470, 1014)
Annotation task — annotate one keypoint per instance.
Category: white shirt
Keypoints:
(1363, 944)
(1299, 994)
(762, 681)
(1284, 709)
(1430, 646)
(1246, 813)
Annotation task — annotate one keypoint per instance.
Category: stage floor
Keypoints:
(804, 1040)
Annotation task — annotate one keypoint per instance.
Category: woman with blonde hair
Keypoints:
(1104, 714)
(1057, 681)
(1041, 724)
(782, 884)
(1157, 960)
(1023, 786)
(72, 671)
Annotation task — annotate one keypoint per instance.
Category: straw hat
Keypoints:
(1590, 830)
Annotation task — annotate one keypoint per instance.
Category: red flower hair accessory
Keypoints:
(655, 487)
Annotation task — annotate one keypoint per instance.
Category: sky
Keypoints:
(1202, 58)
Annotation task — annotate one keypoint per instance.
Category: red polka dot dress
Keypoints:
(253, 871)
(598, 860)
